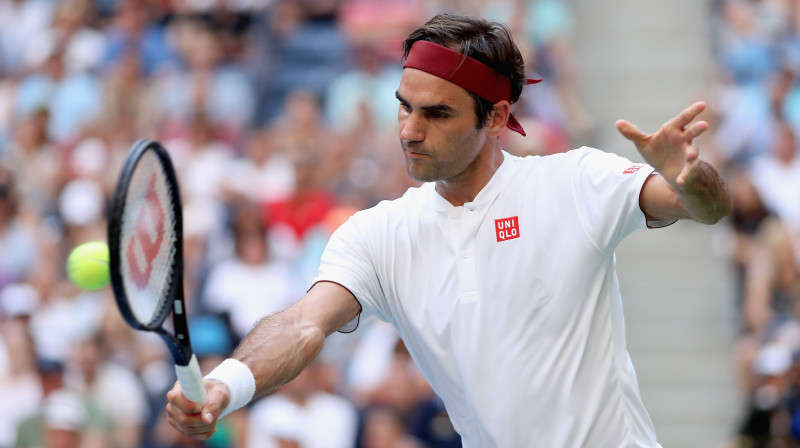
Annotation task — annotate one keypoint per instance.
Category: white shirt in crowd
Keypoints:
(323, 421)
(248, 293)
(778, 185)
(510, 304)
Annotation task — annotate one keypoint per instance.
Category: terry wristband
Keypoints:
(240, 381)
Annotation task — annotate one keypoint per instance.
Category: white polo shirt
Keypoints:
(510, 304)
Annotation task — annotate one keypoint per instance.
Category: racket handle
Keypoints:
(191, 380)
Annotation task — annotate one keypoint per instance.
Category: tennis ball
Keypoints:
(87, 265)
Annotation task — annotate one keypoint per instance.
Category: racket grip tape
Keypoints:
(191, 380)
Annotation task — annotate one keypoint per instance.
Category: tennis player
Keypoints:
(499, 271)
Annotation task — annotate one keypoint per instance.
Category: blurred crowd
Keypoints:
(280, 117)
(756, 119)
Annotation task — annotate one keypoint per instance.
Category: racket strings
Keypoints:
(148, 241)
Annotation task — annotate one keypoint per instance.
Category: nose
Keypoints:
(411, 127)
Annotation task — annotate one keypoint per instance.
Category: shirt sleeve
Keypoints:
(348, 260)
(606, 190)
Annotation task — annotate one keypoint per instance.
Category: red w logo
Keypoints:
(149, 235)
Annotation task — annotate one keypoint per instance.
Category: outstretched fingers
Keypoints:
(631, 132)
(687, 115)
(695, 129)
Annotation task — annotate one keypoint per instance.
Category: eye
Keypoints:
(406, 107)
(437, 115)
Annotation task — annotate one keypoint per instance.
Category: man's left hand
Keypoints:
(670, 150)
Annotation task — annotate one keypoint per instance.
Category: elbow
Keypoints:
(722, 210)
(724, 205)
(710, 220)
(726, 209)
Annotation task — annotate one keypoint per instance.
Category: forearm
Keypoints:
(704, 195)
(278, 348)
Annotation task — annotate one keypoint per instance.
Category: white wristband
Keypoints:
(240, 381)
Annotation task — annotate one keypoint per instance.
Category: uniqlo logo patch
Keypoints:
(632, 169)
(507, 228)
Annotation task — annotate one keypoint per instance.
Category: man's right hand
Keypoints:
(192, 419)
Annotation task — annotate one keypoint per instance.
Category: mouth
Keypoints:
(416, 155)
(412, 150)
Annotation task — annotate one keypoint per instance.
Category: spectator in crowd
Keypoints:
(768, 406)
(18, 245)
(290, 220)
(19, 21)
(129, 107)
(776, 176)
(757, 109)
(264, 175)
(236, 286)
(72, 98)
(19, 379)
(304, 413)
(136, 27)
(363, 96)
(84, 46)
(64, 315)
(62, 423)
(301, 130)
(308, 51)
(206, 86)
(37, 165)
(384, 427)
(204, 159)
(64, 409)
(115, 389)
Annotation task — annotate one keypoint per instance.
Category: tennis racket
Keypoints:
(145, 241)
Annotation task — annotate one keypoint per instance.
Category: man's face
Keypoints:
(438, 127)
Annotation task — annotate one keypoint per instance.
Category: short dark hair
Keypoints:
(485, 41)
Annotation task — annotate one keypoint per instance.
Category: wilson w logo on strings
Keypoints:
(145, 243)
(507, 228)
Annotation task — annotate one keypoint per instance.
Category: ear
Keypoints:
(498, 118)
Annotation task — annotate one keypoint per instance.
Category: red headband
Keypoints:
(464, 71)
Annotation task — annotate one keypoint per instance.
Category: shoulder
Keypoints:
(578, 156)
(552, 168)
(591, 161)
(372, 228)
(412, 201)
(564, 159)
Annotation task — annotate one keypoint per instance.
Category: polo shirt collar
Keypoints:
(486, 196)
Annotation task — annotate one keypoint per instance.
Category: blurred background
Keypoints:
(280, 117)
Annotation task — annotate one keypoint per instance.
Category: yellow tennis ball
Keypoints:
(87, 266)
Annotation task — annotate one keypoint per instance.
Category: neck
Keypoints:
(466, 186)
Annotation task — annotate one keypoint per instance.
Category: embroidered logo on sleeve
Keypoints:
(632, 169)
(507, 228)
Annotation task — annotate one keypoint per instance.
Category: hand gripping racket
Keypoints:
(145, 239)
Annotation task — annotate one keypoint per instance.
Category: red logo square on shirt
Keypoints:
(632, 169)
(507, 228)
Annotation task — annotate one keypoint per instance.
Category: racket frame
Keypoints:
(178, 343)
